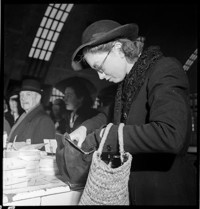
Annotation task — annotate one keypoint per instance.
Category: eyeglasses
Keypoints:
(100, 68)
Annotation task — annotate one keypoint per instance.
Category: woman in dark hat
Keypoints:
(152, 100)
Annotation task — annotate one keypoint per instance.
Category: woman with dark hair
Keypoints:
(79, 102)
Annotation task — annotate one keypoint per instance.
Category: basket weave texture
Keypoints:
(106, 185)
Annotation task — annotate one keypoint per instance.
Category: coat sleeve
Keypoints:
(169, 122)
(95, 122)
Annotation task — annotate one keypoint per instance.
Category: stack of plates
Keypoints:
(48, 165)
(14, 173)
(11, 154)
(32, 157)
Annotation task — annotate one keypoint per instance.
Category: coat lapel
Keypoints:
(20, 124)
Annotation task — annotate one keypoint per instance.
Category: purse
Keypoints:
(106, 185)
(73, 162)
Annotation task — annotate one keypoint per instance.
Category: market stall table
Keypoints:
(42, 190)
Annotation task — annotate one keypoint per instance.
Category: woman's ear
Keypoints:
(118, 45)
(118, 49)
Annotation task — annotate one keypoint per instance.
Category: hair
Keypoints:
(81, 91)
(131, 49)
(62, 109)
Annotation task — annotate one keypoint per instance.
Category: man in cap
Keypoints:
(34, 124)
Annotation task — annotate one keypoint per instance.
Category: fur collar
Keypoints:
(129, 88)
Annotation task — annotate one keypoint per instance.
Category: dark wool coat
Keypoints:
(35, 125)
(157, 133)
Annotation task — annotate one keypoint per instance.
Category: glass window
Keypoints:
(49, 31)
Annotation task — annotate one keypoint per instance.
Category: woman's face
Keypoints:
(114, 66)
(71, 100)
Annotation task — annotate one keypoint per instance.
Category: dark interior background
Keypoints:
(172, 26)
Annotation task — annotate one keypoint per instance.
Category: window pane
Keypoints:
(64, 17)
(43, 22)
(35, 42)
(55, 23)
(63, 6)
(44, 34)
(46, 45)
(58, 16)
(39, 32)
(60, 27)
(57, 5)
(48, 55)
(40, 44)
(37, 52)
(48, 25)
(53, 13)
(52, 44)
(48, 10)
(69, 7)
(43, 53)
(55, 37)
(50, 35)
(31, 52)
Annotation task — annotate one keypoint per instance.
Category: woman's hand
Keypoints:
(79, 135)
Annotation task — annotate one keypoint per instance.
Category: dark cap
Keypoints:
(31, 85)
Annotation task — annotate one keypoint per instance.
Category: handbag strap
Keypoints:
(120, 139)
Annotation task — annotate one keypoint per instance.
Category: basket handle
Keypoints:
(120, 139)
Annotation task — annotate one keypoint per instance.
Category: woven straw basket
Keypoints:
(106, 185)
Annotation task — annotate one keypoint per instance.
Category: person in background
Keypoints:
(59, 115)
(48, 108)
(34, 124)
(107, 99)
(15, 107)
(6, 126)
(79, 102)
(152, 100)
(7, 112)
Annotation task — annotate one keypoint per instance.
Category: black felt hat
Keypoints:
(101, 32)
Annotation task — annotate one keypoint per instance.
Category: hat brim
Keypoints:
(31, 89)
(129, 31)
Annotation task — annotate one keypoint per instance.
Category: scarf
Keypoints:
(129, 88)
